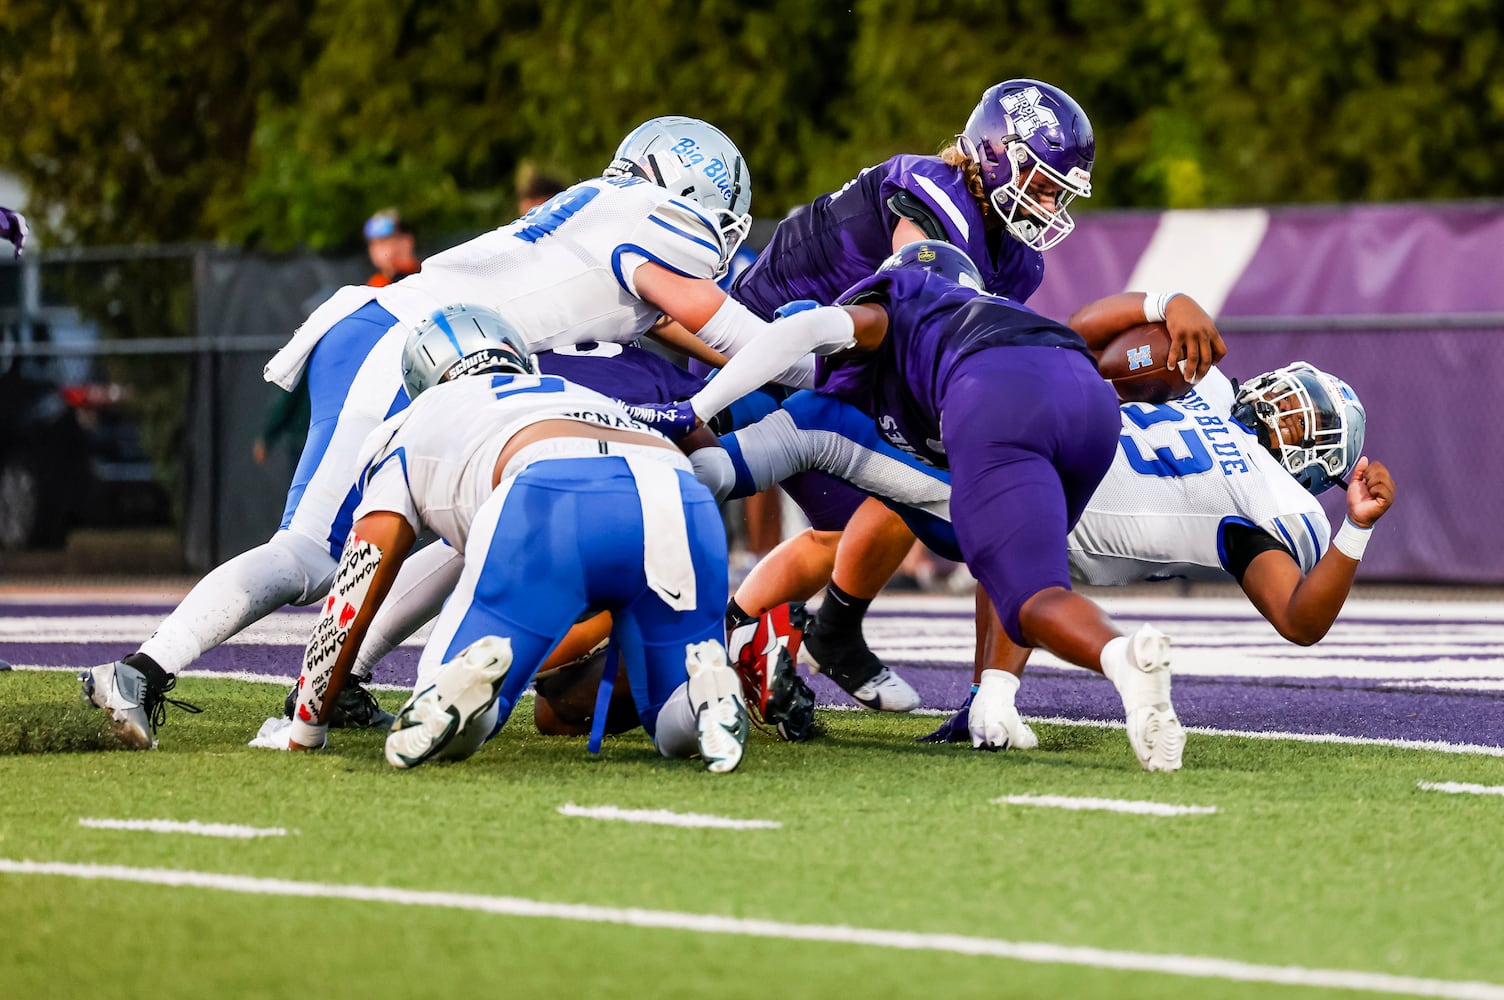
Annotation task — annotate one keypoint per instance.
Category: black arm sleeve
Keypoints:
(1242, 542)
(906, 206)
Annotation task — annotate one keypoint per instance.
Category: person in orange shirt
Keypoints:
(389, 241)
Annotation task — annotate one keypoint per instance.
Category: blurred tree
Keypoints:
(263, 124)
(130, 120)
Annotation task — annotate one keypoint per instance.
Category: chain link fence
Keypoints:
(131, 396)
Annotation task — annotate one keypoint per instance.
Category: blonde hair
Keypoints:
(953, 157)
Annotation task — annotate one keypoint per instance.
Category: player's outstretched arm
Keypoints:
(759, 352)
(377, 546)
(1303, 609)
(1194, 337)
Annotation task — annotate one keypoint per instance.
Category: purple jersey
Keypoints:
(933, 325)
(624, 371)
(823, 248)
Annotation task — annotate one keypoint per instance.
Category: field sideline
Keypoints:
(1339, 859)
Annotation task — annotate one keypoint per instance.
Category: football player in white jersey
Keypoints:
(548, 489)
(599, 262)
(1219, 484)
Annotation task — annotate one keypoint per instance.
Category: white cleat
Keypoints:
(887, 692)
(463, 690)
(1154, 731)
(715, 694)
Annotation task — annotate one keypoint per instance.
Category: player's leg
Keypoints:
(1018, 485)
(873, 546)
(353, 384)
(521, 589)
(813, 431)
(688, 698)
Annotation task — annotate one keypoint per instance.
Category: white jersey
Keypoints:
(1182, 470)
(562, 274)
(433, 463)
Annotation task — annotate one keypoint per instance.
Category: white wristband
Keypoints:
(1155, 304)
(1351, 540)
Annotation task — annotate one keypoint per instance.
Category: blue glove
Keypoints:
(673, 420)
(797, 306)
(13, 228)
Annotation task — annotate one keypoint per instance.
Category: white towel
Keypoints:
(666, 559)
(286, 366)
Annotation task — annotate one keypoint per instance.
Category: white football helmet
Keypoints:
(462, 340)
(1311, 421)
(696, 161)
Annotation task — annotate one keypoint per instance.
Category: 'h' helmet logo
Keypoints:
(1140, 357)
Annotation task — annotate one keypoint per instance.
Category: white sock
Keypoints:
(424, 581)
(675, 732)
(1115, 658)
(285, 570)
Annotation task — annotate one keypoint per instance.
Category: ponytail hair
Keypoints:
(953, 157)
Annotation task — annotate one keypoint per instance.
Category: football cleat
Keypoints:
(462, 691)
(762, 652)
(887, 692)
(1154, 731)
(715, 694)
(850, 662)
(137, 704)
(355, 708)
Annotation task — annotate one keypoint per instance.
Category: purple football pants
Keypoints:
(1030, 432)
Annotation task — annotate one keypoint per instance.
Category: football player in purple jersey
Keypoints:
(1012, 404)
(1000, 192)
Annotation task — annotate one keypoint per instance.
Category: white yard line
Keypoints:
(1105, 805)
(192, 826)
(1435, 746)
(662, 817)
(709, 923)
(1460, 788)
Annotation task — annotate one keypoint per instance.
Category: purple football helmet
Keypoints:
(1029, 137)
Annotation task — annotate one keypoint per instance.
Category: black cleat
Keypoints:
(355, 708)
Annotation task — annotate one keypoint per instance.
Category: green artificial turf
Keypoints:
(1320, 856)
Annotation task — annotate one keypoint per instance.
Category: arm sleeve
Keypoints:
(782, 345)
(1241, 542)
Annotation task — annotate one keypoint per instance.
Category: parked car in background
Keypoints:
(70, 446)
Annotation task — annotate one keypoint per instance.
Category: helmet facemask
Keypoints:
(1309, 420)
(1025, 217)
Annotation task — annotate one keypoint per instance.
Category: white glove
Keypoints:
(273, 735)
(994, 722)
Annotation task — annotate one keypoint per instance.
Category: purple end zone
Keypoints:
(1365, 708)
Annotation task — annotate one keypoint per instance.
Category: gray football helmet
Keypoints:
(696, 161)
(1311, 421)
(462, 340)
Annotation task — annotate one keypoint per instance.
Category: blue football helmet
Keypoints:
(938, 257)
(1311, 421)
(462, 340)
(1025, 134)
(696, 161)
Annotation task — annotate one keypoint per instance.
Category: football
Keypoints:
(1134, 362)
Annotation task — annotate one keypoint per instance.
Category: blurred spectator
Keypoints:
(13, 228)
(533, 189)
(389, 241)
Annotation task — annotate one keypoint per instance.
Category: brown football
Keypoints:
(1134, 362)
